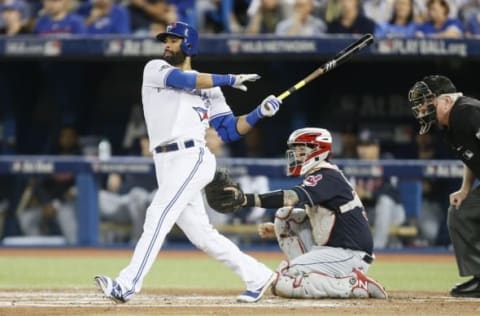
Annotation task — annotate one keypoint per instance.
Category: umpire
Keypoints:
(435, 100)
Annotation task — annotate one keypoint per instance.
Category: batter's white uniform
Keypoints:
(179, 116)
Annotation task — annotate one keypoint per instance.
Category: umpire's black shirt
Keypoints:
(463, 133)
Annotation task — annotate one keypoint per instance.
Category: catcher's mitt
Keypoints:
(223, 194)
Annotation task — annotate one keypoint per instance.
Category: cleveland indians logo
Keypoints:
(312, 181)
(202, 113)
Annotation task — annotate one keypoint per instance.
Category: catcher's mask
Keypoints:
(422, 99)
(307, 147)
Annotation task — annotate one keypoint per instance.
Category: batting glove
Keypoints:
(269, 106)
(238, 81)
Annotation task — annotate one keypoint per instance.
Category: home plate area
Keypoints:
(204, 302)
(92, 298)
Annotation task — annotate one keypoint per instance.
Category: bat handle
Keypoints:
(296, 87)
(284, 95)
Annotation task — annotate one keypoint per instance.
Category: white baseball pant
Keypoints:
(181, 176)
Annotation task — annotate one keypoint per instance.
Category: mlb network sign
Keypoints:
(33, 47)
(261, 46)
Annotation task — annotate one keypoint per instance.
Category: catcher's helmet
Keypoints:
(184, 31)
(422, 96)
(316, 144)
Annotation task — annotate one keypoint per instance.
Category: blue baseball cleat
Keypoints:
(255, 296)
(110, 288)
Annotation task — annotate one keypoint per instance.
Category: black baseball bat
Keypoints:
(339, 59)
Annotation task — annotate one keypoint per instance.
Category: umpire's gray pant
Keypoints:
(464, 229)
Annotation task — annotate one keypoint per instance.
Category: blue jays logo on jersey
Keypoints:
(312, 181)
(202, 113)
(204, 106)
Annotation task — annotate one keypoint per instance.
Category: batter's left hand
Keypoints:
(270, 106)
(240, 80)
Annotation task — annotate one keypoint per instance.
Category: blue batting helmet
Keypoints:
(185, 32)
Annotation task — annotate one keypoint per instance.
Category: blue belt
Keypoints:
(173, 146)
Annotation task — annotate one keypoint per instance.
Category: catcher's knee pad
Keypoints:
(283, 212)
(288, 219)
(297, 215)
(288, 224)
(287, 212)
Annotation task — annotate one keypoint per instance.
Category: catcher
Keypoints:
(320, 224)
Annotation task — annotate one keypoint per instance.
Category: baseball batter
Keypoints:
(179, 104)
(320, 225)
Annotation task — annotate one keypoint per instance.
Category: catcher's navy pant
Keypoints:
(464, 229)
(181, 176)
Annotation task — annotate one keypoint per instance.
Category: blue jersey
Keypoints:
(473, 24)
(391, 30)
(70, 24)
(428, 28)
(116, 22)
(330, 189)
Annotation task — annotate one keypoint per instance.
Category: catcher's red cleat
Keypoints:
(367, 287)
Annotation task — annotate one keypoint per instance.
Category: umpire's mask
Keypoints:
(421, 99)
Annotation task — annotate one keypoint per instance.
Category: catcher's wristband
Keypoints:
(272, 199)
(250, 200)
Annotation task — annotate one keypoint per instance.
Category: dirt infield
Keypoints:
(167, 302)
(215, 302)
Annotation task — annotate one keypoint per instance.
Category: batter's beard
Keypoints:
(176, 59)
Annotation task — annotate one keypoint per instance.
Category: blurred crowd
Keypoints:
(384, 18)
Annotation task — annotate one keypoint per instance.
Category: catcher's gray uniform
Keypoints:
(328, 243)
(314, 271)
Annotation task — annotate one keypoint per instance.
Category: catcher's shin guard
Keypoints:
(289, 223)
(292, 283)
(311, 285)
